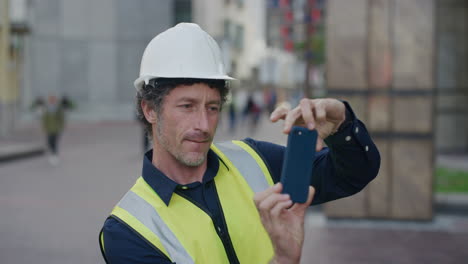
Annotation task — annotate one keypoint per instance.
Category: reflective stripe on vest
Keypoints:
(185, 233)
(156, 225)
(247, 162)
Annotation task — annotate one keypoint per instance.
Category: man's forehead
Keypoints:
(194, 90)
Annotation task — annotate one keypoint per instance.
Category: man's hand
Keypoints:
(324, 115)
(283, 222)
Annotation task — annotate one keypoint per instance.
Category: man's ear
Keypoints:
(149, 112)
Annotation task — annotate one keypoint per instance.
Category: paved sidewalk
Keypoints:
(25, 141)
(442, 240)
(10, 150)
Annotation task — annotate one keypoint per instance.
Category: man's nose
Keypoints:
(202, 120)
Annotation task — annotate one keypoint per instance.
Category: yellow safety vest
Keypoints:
(185, 233)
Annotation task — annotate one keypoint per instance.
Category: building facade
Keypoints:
(90, 51)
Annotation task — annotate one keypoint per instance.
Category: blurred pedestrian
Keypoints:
(270, 100)
(53, 122)
(252, 113)
(52, 114)
(198, 202)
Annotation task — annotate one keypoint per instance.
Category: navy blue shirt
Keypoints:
(349, 163)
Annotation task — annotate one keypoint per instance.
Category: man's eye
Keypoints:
(186, 106)
(214, 108)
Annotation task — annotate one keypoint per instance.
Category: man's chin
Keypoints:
(193, 159)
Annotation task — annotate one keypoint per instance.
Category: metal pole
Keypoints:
(4, 61)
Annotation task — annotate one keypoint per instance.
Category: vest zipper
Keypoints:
(226, 239)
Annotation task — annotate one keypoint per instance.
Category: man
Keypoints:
(53, 122)
(202, 203)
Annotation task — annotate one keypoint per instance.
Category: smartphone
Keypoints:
(297, 163)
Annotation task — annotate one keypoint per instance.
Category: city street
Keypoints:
(400, 64)
(52, 215)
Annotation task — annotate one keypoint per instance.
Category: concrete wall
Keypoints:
(90, 50)
(452, 77)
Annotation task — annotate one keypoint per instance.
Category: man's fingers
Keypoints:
(271, 201)
(280, 112)
(307, 115)
(319, 145)
(320, 113)
(259, 197)
(302, 206)
(311, 196)
(268, 199)
(291, 118)
(280, 207)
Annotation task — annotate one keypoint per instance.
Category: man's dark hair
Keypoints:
(156, 89)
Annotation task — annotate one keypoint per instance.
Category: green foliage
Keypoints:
(451, 181)
(316, 48)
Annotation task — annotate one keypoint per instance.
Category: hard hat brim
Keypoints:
(138, 83)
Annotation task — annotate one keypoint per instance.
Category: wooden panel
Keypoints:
(412, 165)
(346, 44)
(380, 75)
(380, 63)
(359, 105)
(414, 44)
(386, 46)
(350, 207)
(379, 189)
(379, 113)
(413, 114)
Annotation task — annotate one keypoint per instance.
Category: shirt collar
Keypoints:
(164, 186)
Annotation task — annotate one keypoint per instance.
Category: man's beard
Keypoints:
(184, 158)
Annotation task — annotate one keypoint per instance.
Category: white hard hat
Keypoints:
(183, 51)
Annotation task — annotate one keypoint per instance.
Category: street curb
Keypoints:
(451, 203)
(21, 151)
